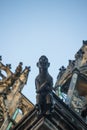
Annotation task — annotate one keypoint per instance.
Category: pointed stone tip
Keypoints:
(28, 67)
(0, 58)
(84, 42)
(9, 66)
(21, 63)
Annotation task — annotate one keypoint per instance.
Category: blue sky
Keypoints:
(31, 28)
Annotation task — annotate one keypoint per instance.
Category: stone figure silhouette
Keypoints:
(44, 85)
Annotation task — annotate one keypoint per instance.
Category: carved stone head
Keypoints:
(43, 62)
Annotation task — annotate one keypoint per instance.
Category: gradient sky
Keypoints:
(31, 28)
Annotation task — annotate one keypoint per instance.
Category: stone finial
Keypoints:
(79, 54)
(19, 68)
(9, 66)
(84, 42)
(0, 58)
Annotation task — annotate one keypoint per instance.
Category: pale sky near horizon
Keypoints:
(31, 28)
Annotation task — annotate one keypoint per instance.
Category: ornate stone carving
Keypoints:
(78, 98)
(11, 98)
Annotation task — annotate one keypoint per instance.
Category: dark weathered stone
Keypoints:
(44, 84)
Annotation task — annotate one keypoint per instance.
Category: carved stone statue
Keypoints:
(44, 84)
